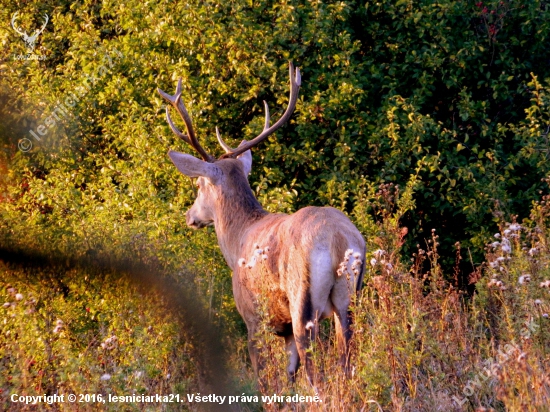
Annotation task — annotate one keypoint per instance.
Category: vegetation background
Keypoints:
(413, 116)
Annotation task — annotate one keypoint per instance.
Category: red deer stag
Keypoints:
(307, 264)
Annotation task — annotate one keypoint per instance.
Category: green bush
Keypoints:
(457, 89)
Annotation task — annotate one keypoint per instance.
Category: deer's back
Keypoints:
(280, 252)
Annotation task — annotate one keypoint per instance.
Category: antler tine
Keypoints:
(190, 138)
(295, 82)
(175, 129)
(266, 124)
(224, 145)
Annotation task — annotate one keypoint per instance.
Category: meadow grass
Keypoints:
(420, 343)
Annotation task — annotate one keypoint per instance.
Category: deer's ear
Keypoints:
(193, 167)
(246, 160)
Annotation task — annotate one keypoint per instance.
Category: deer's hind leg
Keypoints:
(340, 298)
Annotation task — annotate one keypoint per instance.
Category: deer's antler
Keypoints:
(295, 82)
(190, 137)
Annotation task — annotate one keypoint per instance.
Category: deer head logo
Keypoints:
(29, 40)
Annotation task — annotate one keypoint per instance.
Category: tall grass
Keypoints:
(420, 344)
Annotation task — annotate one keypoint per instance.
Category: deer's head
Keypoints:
(221, 180)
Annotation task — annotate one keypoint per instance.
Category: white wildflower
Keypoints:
(501, 258)
(493, 264)
(495, 244)
(357, 255)
(18, 296)
(514, 227)
(545, 315)
(109, 343)
(242, 262)
(497, 235)
(379, 253)
(533, 251)
(524, 279)
(105, 377)
(507, 232)
(545, 284)
(505, 245)
(497, 283)
(538, 302)
(6, 305)
(389, 266)
(373, 262)
(252, 262)
(309, 325)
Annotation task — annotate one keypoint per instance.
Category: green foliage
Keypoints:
(65, 332)
(448, 101)
(457, 89)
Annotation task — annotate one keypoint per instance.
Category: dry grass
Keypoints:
(420, 344)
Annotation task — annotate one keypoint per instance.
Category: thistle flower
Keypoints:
(109, 343)
(524, 279)
(379, 253)
(497, 283)
(505, 245)
(252, 262)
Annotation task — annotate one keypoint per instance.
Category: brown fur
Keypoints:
(298, 278)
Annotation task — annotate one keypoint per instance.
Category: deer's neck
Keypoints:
(234, 215)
